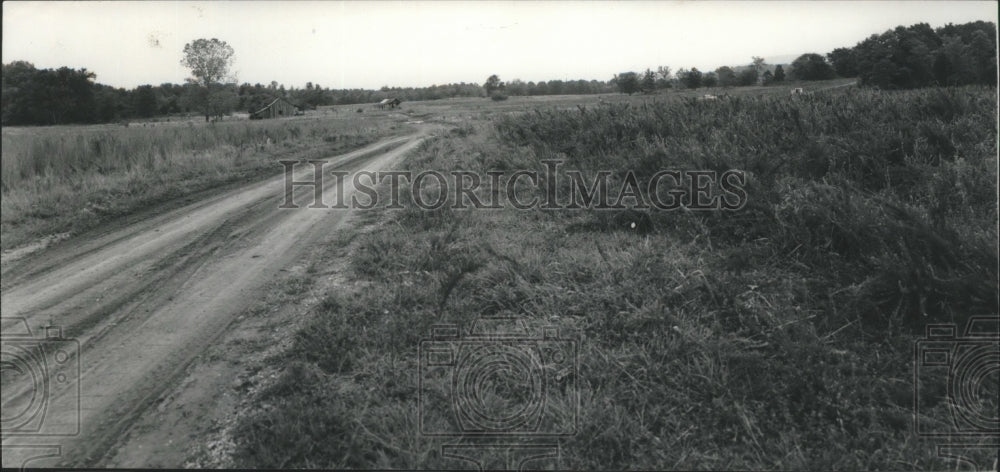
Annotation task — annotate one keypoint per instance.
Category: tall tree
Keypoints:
(493, 84)
(983, 51)
(648, 83)
(779, 73)
(663, 76)
(209, 61)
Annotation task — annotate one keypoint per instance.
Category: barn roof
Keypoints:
(276, 100)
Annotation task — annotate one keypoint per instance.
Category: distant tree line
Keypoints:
(34, 96)
(905, 57)
(756, 73)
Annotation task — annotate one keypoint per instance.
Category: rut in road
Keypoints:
(145, 300)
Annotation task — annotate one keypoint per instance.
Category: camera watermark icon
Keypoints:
(971, 456)
(505, 456)
(40, 378)
(498, 383)
(961, 371)
(40, 385)
(956, 394)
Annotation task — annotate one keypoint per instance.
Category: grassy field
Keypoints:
(779, 336)
(62, 180)
(67, 179)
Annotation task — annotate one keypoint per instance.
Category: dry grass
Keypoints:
(778, 337)
(72, 178)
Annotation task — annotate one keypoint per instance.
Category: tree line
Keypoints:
(904, 57)
(900, 58)
(757, 72)
(33, 96)
(921, 56)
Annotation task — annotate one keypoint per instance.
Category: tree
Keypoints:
(145, 101)
(493, 84)
(982, 49)
(648, 83)
(899, 58)
(779, 73)
(627, 82)
(844, 62)
(49, 97)
(709, 79)
(811, 66)
(953, 63)
(221, 100)
(767, 78)
(209, 61)
(758, 64)
(517, 87)
(747, 77)
(663, 72)
(726, 76)
(663, 76)
(691, 79)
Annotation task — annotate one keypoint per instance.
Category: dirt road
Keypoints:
(142, 301)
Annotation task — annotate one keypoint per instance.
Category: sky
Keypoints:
(361, 44)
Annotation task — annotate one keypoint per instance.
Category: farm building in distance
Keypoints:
(388, 102)
(276, 109)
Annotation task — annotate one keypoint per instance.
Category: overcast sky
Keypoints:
(371, 44)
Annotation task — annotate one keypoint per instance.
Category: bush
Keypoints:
(498, 96)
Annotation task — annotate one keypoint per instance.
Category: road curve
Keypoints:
(143, 301)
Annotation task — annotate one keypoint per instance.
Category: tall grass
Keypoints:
(70, 178)
(901, 187)
(777, 337)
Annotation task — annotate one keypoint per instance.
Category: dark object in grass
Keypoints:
(632, 221)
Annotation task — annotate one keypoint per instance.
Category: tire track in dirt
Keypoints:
(146, 300)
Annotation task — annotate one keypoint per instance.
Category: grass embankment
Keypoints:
(70, 179)
(777, 336)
